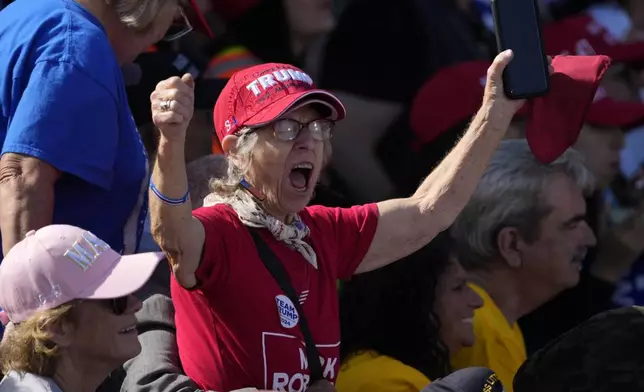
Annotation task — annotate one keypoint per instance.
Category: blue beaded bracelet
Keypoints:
(169, 200)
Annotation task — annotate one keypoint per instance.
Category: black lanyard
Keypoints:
(275, 267)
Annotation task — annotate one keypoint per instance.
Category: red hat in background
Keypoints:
(555, 120)
(606, 112)
(258, 95)
(226, 9)
(455, 93)
(589, 34)
(196, 18)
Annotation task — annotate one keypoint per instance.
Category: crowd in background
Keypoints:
(530, 267)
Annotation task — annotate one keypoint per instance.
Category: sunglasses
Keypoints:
(287, 129)
(118, 306)
(179, 28)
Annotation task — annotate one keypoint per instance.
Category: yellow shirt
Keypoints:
(499, 346)
(371, 372)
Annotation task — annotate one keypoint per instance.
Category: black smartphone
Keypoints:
(517, 24)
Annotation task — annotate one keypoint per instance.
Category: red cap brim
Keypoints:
(196, 18)
(283, 105)
(609, 113)
(451, 96)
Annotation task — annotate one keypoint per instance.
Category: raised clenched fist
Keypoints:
(172, 106)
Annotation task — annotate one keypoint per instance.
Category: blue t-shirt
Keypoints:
(63, 101)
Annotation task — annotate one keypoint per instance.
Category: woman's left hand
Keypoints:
(501, 107)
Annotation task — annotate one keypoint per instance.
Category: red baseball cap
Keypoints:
(589, 34)
(606, 112)
(259, 95)
(196, 18)
(454, 94)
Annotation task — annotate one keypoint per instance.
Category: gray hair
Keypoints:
(139, 15)
(509, 194)
(226, 187)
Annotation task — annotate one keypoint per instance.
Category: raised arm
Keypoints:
(178, 233)
(405, 225)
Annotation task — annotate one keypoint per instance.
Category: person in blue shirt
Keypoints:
(71, 152)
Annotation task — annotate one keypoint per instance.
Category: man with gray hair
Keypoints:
(522, 237)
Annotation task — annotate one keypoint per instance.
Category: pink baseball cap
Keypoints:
(60, 263)
(256, 96)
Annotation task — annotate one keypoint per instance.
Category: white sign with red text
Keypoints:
(286, 367)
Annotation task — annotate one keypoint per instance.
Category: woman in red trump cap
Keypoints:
(255, 269)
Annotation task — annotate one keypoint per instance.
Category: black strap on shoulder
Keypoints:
(275, 267)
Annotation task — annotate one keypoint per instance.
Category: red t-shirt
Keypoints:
(238, 329)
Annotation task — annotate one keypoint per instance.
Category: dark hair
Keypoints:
(391, 311)
(272, 44)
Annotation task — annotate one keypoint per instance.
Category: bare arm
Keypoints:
(178, 233)
(26, 196)
(405, 225)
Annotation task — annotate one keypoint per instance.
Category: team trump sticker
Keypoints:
(287, 312)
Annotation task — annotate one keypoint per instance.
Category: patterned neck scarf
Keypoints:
(251, 214)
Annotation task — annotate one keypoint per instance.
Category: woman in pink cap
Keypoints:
(68, 297)
(255, 270)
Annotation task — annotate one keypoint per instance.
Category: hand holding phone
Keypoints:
(501, 109)
(518, 27)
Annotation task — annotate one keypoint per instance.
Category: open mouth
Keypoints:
(579, 257)
(128, 329)
(300, 176)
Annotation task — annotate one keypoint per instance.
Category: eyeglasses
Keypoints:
(179, 28)
(117, 305)
(287, 129)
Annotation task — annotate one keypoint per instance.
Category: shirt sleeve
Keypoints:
(353, 231)
(216, 223)
(67, 119)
